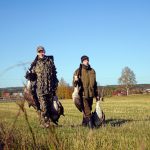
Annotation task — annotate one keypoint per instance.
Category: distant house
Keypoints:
(5, 94)
(119, 93)
(17, 94)
(147, 91)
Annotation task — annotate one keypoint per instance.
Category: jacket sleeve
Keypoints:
(96, 93)
(95, 89)
(55, 79)
(30, 74)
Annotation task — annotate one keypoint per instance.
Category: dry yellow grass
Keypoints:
(127, 127)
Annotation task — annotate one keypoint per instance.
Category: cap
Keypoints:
(40, 48)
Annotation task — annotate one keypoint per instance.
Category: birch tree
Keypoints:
(127, 79)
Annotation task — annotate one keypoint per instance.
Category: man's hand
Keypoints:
(102, 99)
(27, 75)
(30, 76)
(99, 98)
(76, 78)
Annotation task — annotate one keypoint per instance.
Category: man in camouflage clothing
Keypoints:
(44, 84)
(85, 77)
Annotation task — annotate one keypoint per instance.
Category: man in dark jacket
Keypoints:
(85, 77)
(44, 82)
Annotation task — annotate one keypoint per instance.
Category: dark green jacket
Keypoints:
(87, 79)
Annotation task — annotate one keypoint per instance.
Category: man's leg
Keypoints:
(87, 117)
(44, 104)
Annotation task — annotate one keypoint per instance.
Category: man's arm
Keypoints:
(54, 77)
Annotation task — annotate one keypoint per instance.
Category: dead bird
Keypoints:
(56, 109)
(98, 116)
(76, 98)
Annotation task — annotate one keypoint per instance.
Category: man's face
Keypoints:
(85, 62)
(41, 53)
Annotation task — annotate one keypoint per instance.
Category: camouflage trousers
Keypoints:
(45, 105)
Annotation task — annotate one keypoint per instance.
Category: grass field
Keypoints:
(127, 127)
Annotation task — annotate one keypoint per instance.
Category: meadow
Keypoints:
(127, 127)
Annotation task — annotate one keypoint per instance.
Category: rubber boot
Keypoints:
(85, 122)
(90, 124)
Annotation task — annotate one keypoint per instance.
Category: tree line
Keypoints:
(126, 85)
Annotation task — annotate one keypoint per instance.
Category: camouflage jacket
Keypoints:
(87, 81)
(46, 78)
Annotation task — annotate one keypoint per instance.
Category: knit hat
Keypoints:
(84, 57)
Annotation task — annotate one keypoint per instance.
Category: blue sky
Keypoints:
(114, 34)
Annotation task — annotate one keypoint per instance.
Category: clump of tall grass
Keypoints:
(7, 136)
(12, 138)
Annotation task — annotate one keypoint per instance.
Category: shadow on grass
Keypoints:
(117, 122)
(111, 122)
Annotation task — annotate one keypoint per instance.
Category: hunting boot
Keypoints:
(85, 122)
(90, 123)
(47, 122)
(44, 120)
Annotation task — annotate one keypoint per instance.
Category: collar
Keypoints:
(86, 67)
